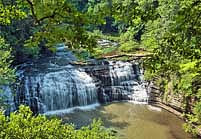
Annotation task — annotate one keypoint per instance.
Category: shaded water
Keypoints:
(132, 121)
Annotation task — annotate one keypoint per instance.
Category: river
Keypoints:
(132, 121)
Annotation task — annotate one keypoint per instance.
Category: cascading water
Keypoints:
(53, 84)
(56, 90)
(121, 81)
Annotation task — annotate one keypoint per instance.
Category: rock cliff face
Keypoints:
(174, 101)
(119, 81)
(52, 83)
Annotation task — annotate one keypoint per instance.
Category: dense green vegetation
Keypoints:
(7, 13)
(23, 125)
(169, 29)
(176, 57)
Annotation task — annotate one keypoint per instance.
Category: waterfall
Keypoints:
(54, 84)
(57, 90)
(125, 83)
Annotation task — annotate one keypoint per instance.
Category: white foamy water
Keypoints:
(152, 108)
(71, 110)
(138, 102)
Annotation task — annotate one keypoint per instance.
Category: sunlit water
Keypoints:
(132, 121)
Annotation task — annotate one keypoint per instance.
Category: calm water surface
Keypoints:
(132, 121)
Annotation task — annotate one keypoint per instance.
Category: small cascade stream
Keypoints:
(54, 84)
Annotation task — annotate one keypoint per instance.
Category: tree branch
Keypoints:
(49, 16)
(32, 10)
(38, 21)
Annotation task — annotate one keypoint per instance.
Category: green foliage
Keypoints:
(134, 14)
(6, 73)
(149, 38)
(82, 54)
(59, 22)
(23, 125)
(47, 23)
(99, 35)
(7, 13)
(129, 46)
(175, 40)
(189, 128)
(127, 36)
(10, 12)
(99, 52)
(97, 11)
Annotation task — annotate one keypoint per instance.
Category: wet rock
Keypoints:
(52, 83)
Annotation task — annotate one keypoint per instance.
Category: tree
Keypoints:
(6, 72)
(176, 55)
(7, 13)
(58, 22)
(134, 14)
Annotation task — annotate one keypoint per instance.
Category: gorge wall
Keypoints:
(170, 99)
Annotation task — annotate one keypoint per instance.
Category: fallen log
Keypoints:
(129, 55)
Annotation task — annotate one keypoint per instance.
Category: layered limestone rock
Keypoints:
(52, 83)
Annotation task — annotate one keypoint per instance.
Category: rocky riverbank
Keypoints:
(173, 104)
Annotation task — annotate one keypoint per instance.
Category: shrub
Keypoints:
(129, 46)
(23, 125)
